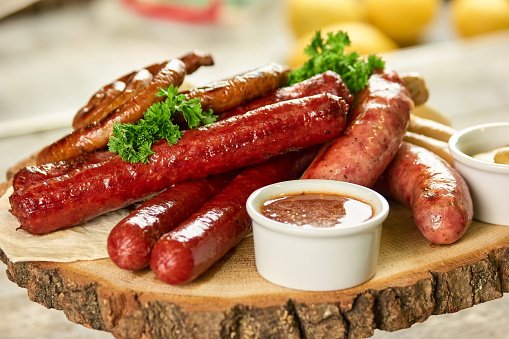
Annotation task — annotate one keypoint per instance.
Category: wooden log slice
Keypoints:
(415, 279)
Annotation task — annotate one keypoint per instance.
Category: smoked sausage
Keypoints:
(228, 144)
(223, 95)
(433, 189)
(376, 125)
(95, 136)
(114, 95)
(31, 175)
(183, 254)
(327, 82)
(130, 242)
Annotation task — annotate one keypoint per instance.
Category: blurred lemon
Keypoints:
(366, 39)
(472, 17)
(307, 16)
(402, 20)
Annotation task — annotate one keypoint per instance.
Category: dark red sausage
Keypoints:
(327, 82)
(95, 136)
(32, 175)
(229, 144)
(377, 123)
(435, 191)
(101, 99)
(131, 240)
(183, 254)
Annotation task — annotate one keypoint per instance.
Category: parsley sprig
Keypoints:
(330, 54)
(133, 142)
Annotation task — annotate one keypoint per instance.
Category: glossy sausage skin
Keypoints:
(195, 60)
(377, 123)
(31, 175)
(95, 136)
(101, 99)
(114, 95)
(229, 144)
(130, 242)
(223, 95)
(327, 82)
(433, 189)
(183, 254)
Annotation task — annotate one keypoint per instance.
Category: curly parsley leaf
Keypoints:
(133, 142)
(330, 55)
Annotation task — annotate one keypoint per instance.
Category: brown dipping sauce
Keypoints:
(317, 210)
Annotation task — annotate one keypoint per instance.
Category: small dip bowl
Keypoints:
(317, 258)
(488, 181)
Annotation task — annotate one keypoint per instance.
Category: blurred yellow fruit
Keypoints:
(473, 17)
(365, 39)
(404, 21)
(307, 16)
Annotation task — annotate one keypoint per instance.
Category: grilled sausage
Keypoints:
(183, 254)
(327, 82)
(229, 144)
(95, 136)
(433, 189)
(224, 95)
(377, 122)
(114, 95)
(130, 242)
(31, 175)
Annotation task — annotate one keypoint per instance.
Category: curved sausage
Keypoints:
(130, 242)
(327, 82)
(224, 95)
(95, 136)
(377, 123)
(433, 189)
(195, 60)
(101, 99)
(183, 254)
(118, 92)
(229, 144)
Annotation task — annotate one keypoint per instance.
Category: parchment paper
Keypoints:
(83, 242)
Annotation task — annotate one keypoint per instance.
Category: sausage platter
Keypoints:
(415, 280)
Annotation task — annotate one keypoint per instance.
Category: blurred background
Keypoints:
(54, 54)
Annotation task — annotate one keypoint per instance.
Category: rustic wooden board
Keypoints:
(415, 279)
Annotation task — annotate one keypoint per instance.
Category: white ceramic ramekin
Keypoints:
(488, 182)
(317, 259)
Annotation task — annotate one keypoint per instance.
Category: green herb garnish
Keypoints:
(330, 55)
(133, 142)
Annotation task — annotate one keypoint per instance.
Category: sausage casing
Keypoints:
(229, 144)
(95, 136)
(183, 254)
(433, 189)
(130, 242)
(377, 123)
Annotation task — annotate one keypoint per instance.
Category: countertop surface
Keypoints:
(51, 63)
